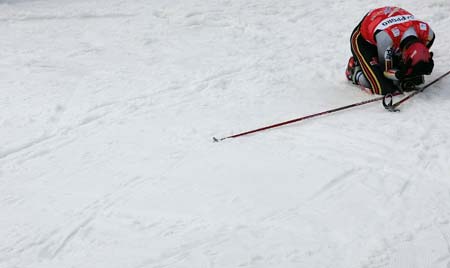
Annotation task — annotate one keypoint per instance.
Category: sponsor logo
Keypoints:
(396, 32)
(423, 26)
(388, 54)
(394, 20)
(387, 10)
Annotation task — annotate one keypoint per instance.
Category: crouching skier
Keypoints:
(390, 50)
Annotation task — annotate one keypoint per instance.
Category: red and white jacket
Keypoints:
(394, 21)
(386, 27)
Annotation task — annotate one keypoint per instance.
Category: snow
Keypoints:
(108, 107)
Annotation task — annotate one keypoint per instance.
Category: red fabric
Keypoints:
(416, 52)
(395, 21)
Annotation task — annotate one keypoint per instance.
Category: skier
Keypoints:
(390, 50)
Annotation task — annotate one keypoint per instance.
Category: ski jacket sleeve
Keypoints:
(386, 53)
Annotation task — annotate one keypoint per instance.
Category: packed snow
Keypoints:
(107, 113)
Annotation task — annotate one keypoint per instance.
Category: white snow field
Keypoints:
(107, 113)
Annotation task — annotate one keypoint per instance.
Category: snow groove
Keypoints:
(106, 113)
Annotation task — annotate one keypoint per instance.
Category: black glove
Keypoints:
(411, 83)
(403, 70)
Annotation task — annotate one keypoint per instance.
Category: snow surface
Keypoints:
(108, 107)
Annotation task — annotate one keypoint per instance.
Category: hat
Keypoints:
(417, 60)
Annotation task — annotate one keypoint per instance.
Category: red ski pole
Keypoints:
(302, 118)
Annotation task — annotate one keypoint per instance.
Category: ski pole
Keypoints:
(303, 118)
(393, 107)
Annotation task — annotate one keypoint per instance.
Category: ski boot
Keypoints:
(352, 70)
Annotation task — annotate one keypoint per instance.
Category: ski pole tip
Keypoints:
(393, 109)
(217, 140)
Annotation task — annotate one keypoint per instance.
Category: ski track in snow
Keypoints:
(107, 113)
